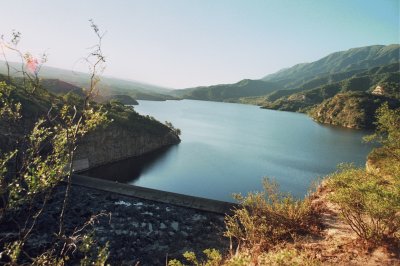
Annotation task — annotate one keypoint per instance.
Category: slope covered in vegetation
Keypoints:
(320, 89)
(305, 86)
(351, 109)
(351, 60)
(228, 92)
(108, 86)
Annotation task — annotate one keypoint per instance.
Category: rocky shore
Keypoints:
(117, 143)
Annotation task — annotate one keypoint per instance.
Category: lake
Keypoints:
(228, 148)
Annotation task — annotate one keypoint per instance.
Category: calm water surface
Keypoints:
(228, 148)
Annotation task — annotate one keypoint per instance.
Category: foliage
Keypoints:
(124, 116)
(368, 203)
(287, 257)
(9, 109)
(375, 55)
(213, 258)
(385, 160)
(176, 131)
(278, 256)
(94, 255)
(351, 109)
(269, 217)
(388, 129)
(229, 92)
(124, 99)
(43, 158)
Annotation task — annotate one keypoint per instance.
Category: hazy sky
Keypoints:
(185, 43)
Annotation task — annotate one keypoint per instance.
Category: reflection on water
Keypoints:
(129, 170)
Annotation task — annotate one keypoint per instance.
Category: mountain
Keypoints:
(108, 85)
(344, 61)
(355, 73)
(322, 88)
(228, 92)
(333, 68)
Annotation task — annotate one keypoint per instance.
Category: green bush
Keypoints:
(213, 258)
(368, 203)
(387, 157)
(287, 257)
(269, 217)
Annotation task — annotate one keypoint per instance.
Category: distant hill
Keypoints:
(331, 69)
(344, 61)
(304, 87)
(322, 88)
(124, 99)
(108, 85)
(59, 87)
(228, 92)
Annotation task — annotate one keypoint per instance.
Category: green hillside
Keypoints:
(124, 99)
(351, 109)
(59, 87)
(228, 92)
(108, 85)
(300, 99)
(304, 87)
(344, 61)
(37, 105)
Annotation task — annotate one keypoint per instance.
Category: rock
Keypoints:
(133, 235)
(117, 142)
(175, 225)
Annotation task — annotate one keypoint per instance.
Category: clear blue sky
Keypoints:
(185, 43)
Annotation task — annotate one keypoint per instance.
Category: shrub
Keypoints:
(263, 221)
(269, 217)
(213, 258)
(287, 257)
(37, 161)
(281, 256)
(368, 203)
(177, 131)
(387, 157)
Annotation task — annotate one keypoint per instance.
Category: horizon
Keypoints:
(164, 87)
(189, 44)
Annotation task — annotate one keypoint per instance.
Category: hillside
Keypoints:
(304, 86)
(127, 134)
(373, 70)
(108, 85)
(228, 92)
(124, 99)
(314, 92)
(351, 109)
(344, 61)
(59, 87)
